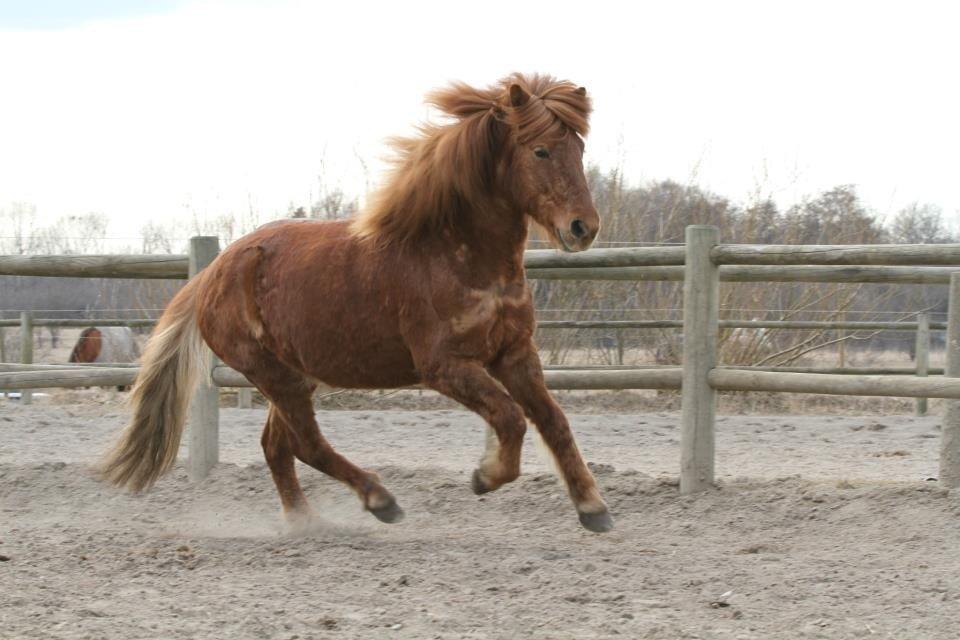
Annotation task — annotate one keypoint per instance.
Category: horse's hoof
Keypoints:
(478, 485)
(599, 522)
(389, 513)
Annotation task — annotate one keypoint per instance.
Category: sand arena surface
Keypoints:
(823, 527)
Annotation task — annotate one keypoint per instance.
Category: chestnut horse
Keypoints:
(426, 286)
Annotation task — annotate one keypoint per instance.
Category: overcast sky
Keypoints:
(159, 110)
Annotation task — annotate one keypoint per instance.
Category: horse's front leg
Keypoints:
(469, 384)
(521, 374)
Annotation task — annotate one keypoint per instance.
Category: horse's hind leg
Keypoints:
(278, 451)
(292, 397)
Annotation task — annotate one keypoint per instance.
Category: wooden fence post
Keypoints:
(950, 430)
(842, 345)
(26, 350)
(3, 348)
(245, 398)
(700, 325)
(922, 354)
(205, 408)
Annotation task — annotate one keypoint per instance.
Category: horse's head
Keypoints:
(547, 121)
(513, 148)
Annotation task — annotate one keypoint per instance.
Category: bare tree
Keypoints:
(920, 224)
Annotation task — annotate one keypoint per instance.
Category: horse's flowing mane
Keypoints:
(450, 167)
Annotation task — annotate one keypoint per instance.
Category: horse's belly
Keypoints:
(369, 363)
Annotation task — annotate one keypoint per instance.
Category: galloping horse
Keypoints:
(425, 286)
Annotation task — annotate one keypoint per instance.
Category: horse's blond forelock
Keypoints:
(446, 166)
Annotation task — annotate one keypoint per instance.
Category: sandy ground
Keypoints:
(822, 527)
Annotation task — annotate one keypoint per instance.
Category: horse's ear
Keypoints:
(518, 96)
(581, 91)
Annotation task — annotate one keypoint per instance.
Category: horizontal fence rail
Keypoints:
(224, 381)
(850, 371)
(825, 383)
(635, 264)
(572, 379)
(757, 273)
(864, 254)
(604, 258)
(174, 266)
(843, 371)
(81, 322)
(851, 325)
(854, 325)
(9, 366)
(162, 267)
(68, 378)
(587, 379)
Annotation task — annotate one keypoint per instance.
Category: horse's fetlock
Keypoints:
(591, 502)
(377, 498)
(510, 475)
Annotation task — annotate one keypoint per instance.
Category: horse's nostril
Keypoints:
(578, 228)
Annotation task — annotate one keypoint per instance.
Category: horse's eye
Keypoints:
(541, 152)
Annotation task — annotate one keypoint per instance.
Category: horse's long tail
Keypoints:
(173, 357)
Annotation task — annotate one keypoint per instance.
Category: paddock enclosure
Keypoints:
(836, 526)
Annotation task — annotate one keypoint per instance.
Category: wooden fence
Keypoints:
(702, 264)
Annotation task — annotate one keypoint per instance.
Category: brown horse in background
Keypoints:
(426, 286)
(87, 348)
(105, 344)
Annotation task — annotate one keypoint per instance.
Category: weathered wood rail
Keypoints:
(755, 273)
(82, 322)
(701, 264)
(162, 267)
(851, 325)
